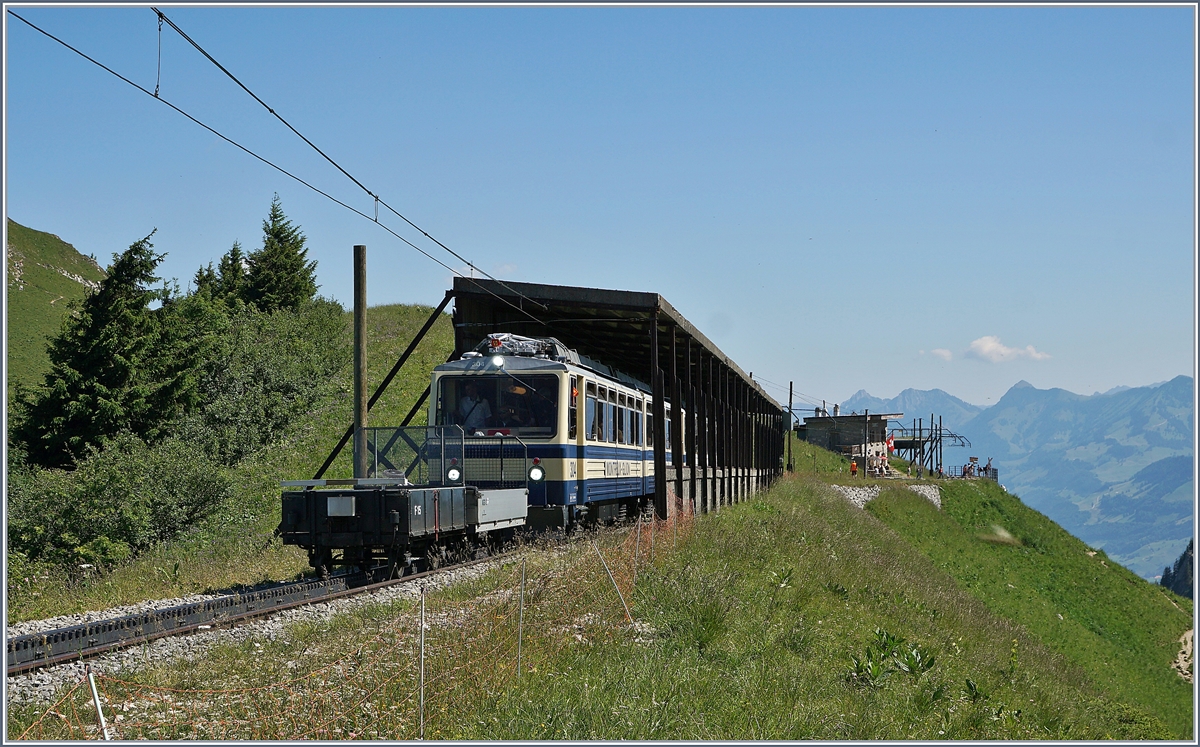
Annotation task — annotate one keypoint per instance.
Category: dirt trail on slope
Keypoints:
(1183, 662)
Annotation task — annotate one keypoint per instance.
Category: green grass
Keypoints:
(748, 629)
(1119, 629)
(237, 546)
(37, 301)
(754, 620)
(813, 460)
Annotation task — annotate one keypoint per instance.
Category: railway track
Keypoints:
(78, 642)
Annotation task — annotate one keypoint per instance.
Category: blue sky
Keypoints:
(846, 197)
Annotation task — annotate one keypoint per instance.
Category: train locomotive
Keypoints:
(523, 432)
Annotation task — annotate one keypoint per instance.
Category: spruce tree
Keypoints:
(205, 279)
(231, 275)
(93, 387)
(116, 364)
(279, 276)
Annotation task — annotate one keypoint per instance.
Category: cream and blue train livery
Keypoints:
(590, 428)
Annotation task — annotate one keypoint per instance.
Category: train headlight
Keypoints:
(537, 473)
(498, 361)
(454, 474)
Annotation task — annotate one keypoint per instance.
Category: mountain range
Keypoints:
(916, 403)
(1114, 469)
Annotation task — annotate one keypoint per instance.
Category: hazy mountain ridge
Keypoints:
(916, 403)
(1113, 468)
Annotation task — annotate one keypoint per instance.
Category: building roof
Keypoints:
(872, 416)
(610, 326)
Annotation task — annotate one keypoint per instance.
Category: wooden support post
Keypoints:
(701, 397)
(660, 425)
(746, 435)
(678, 459)
(693, 426)
(723, 405)
(361, 457)
(722, 433)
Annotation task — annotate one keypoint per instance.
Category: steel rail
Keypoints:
(78, 642)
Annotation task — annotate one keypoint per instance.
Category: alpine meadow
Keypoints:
(792, 615)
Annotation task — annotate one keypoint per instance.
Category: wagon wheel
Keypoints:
(322, 562)
(435, 557)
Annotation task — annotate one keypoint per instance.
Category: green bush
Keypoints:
(118, 502)
(266, 369)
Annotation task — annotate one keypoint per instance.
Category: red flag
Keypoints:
(891, 444)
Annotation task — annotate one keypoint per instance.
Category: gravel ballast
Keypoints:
(39, 686)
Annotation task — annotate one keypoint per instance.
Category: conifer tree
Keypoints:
(117, 365)
(205, 279)
(231, 275)
(279, 276)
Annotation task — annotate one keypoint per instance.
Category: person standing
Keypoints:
(853, 467)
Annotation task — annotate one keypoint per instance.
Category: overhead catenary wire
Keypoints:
(520, 308)
(800, 395)
(378, 200)
(273, 165)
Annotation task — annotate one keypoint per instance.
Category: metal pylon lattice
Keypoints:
(923, 443)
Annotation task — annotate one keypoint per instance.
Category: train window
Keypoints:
(621, 411)
(573, 409)
(637, 425)
(526, 406)
(649, 427)
(610, 415)
(592, 414)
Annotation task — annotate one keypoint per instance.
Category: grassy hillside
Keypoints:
(44, 274)
(757, 623)
(237, 546)
(751, 628)
(1112, 469)
(1119, 629)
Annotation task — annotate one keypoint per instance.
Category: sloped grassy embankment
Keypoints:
(761, 613)
(45, 274)
(236, 545)
(1119, 629)
(792, 615)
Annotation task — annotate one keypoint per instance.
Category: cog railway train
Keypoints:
(522, 432)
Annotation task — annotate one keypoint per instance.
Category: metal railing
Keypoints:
(972, 471)
(444, 455)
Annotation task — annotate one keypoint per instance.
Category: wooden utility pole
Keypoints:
(360, 361)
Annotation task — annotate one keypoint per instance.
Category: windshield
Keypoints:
(490, 405)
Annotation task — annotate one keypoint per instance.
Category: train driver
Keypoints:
(474, 409)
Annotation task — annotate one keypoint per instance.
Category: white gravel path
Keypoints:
(861, 496)
(931, 492)
(858, 496)
(40, 685)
